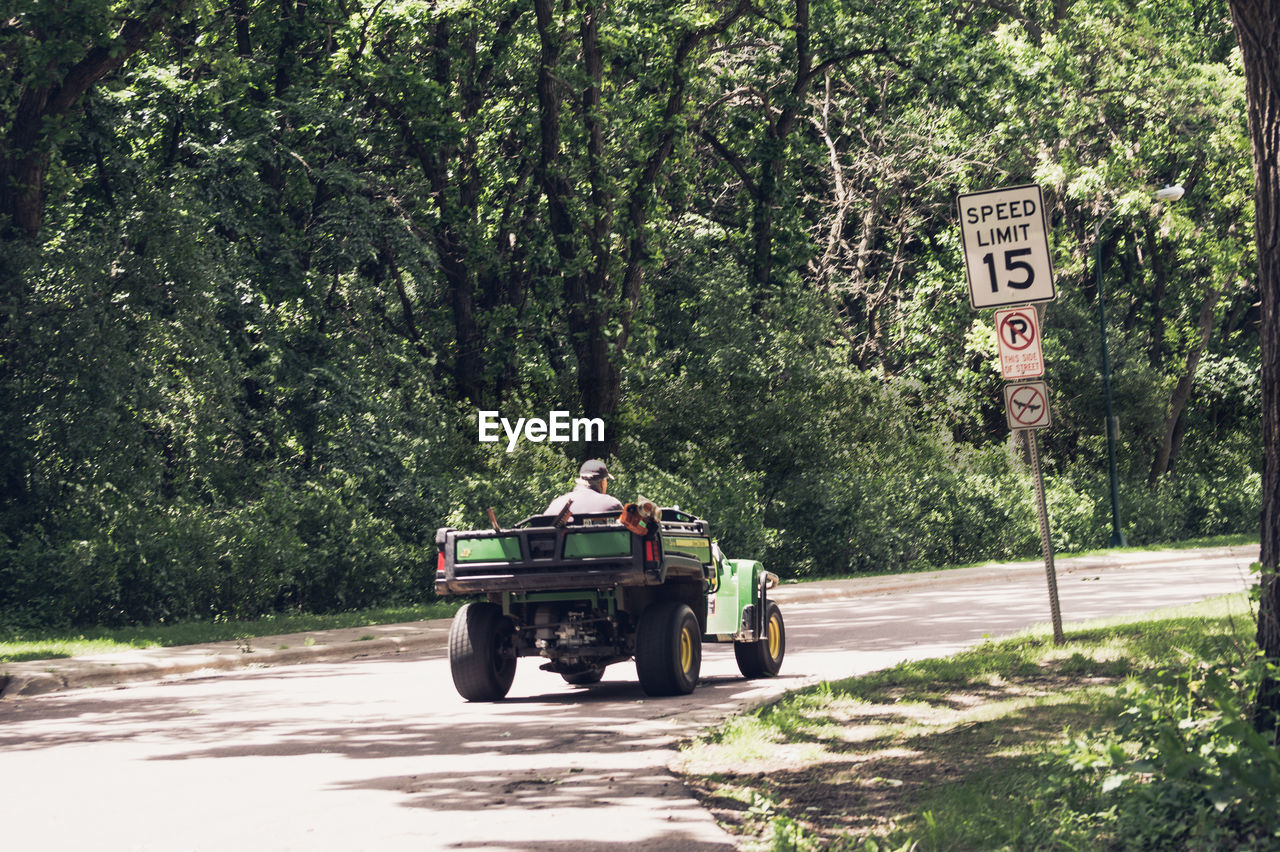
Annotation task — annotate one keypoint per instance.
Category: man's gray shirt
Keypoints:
(585, 501)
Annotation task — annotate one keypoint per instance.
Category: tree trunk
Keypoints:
(772, 153)
(440, 159)
(1257, 25)
(585, 325)
(762, 216)
(1182, 391)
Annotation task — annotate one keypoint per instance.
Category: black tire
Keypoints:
(586, 678)
(668, 649)
(481, 657)
(763, 658)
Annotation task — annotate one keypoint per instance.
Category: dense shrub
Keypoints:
(819, 496)
(1185, 769)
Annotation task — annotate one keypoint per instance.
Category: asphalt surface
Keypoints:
(367, 746)
(44, 676)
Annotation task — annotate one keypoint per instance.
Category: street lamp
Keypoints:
(1170, 192)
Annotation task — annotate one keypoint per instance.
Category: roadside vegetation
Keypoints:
(1135, 734)
(41, 643)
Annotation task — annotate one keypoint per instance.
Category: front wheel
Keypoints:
(668, 649)
(482, 659)
(763, 658)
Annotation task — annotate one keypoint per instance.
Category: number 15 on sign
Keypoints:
(1006, 247)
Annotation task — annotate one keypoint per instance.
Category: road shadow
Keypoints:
(544, 757)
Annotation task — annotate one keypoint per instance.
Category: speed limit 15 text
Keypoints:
(996, 234)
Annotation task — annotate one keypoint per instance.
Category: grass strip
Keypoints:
(23, 645)
(1235, 540)
(948, 753)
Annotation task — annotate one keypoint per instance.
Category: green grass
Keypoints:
(1242, 539)
(22, 645)
(948, 754)
(1208, 541)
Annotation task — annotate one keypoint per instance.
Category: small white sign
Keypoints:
(1026, 405)
(1021, 356)
(1006, 247)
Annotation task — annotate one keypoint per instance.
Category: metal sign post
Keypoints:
(1004, 234)
(1046, 543)
(1027, 410)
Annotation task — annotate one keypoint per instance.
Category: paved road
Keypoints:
(381, 754)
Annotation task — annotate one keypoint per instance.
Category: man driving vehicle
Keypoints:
(590, 492)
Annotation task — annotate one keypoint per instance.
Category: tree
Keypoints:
(286, 248)
(51, 56)
(1257, 24)
(766, 81)
(446, 84)
(601, 208)
(55, 54)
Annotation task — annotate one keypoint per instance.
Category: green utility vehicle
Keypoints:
(594, 592)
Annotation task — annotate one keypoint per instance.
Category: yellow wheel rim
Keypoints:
(775, 637)
(686, 651)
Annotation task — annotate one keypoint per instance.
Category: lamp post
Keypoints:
(1168, 193)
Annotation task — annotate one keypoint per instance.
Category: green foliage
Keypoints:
(314, 548)
(283, 259)
(1185, 768)
(518, 484)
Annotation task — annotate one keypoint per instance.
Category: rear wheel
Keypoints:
(668, 649)
(481, 657)
(763, 658)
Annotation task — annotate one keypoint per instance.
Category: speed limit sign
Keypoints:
(1006, 247)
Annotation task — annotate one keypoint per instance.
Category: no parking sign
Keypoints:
(1021, 356)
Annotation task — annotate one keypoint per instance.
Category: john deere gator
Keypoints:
(648, 585)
